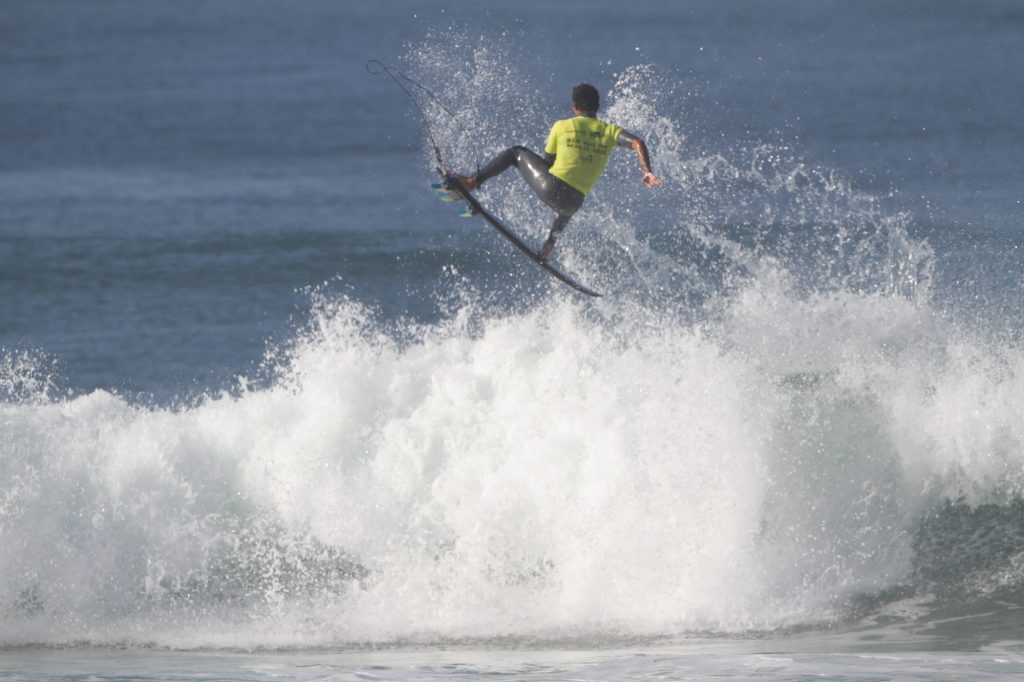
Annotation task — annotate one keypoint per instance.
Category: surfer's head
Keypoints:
(585, 99)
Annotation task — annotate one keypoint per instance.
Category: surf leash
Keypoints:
(376, 67)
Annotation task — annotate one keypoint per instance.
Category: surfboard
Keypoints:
(453, 184)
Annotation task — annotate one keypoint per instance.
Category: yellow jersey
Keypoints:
(581, 146)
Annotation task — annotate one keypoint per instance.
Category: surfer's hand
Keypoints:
(650, 179)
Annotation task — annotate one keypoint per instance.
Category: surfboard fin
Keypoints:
(444, 192)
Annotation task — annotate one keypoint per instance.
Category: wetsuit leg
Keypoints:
(498, 165)
(562, 198)
(556, 231)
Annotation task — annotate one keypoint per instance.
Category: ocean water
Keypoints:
(269, 410)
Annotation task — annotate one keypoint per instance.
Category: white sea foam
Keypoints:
(531, 475)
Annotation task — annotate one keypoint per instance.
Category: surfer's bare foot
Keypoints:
(470, 182)
(546, 250)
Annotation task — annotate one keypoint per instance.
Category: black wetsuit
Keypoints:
(560, 196)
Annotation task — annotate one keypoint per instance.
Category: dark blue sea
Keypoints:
(269, 410)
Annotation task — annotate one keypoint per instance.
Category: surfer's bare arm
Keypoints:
(637, 145)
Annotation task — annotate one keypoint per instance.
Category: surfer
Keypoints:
(575, 155)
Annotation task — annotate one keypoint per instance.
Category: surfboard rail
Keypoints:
(456, 185)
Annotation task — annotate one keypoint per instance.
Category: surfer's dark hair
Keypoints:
(586, 99)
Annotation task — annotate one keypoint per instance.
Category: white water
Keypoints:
(529, 476)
